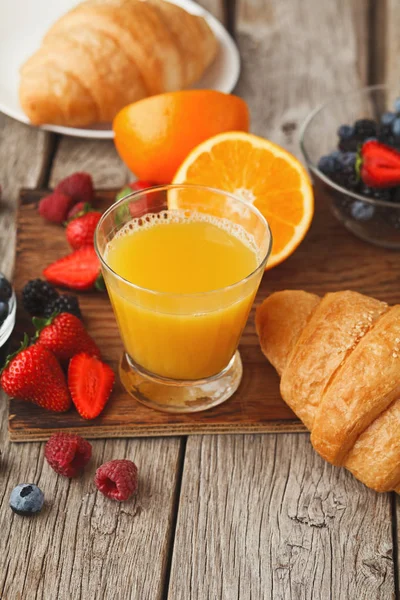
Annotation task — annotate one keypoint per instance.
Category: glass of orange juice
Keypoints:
(182, 265)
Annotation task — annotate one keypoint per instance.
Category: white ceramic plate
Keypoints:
(23, 23)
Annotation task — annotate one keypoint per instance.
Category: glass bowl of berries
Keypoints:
(352, 148)
(8, 306)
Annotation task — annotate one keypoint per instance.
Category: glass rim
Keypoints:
(314, 168)
(141, 193)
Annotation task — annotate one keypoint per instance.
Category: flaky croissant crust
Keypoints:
(105, 54)
(339, 362)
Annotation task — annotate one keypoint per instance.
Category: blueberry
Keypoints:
(327, 164)
(396, 127)
(387, 118)
(5, 289)
(26, 499)
(3, 311)
(347, 159)
(396, 105)
(345, 132)
(362, 211)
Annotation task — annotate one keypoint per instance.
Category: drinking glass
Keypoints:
(180, 349)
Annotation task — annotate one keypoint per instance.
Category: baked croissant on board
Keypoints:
(105, 54)
(339, 362)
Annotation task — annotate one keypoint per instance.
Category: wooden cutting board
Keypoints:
(329, 259)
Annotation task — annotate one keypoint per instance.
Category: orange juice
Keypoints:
(184, 319)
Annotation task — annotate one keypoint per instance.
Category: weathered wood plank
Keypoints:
(77, 548)
(97, 157)
(264, 517)
(24, 153)
(387, 44)
(293, 58)
(396, 531)
(83, 545)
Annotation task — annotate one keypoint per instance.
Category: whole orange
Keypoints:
(153, 136)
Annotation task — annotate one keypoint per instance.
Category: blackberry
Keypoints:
(62, 304)
(36, 295)
(384, 194)
(385, 135)
(5, 289)
(365, 128)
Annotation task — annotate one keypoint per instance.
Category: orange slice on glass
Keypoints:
(261, 173)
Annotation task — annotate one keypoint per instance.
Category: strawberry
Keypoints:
(65, 335)
(34, 374)
(81, 207)
(380, 165)
(136, 207)
(55, 207)
(90, 382)
(77, 271)
(80, 231)
(79, 186)
(134, 186)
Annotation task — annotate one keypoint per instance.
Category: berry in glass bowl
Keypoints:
(8, 307)
(352, 148)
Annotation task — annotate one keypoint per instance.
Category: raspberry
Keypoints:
(67, 453)
(55, 206)
(117, 479)
(79, 186)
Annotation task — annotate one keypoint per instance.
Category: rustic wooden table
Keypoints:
(217, 517)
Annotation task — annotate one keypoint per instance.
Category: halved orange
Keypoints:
(261, 173)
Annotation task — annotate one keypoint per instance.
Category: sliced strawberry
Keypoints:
(90, 382)
(380, 165)
(76, 271)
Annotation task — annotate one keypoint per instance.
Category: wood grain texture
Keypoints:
(293, 58)
(270, 519)
(24, 154)
(83, 545)
(97, 157)
(257, 406)
(387, 44)
(273, 520)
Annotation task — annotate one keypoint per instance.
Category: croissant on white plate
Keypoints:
(105, 54)
(339, 362)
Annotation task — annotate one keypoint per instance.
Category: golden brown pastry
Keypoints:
(339, 362)
(105, 54)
